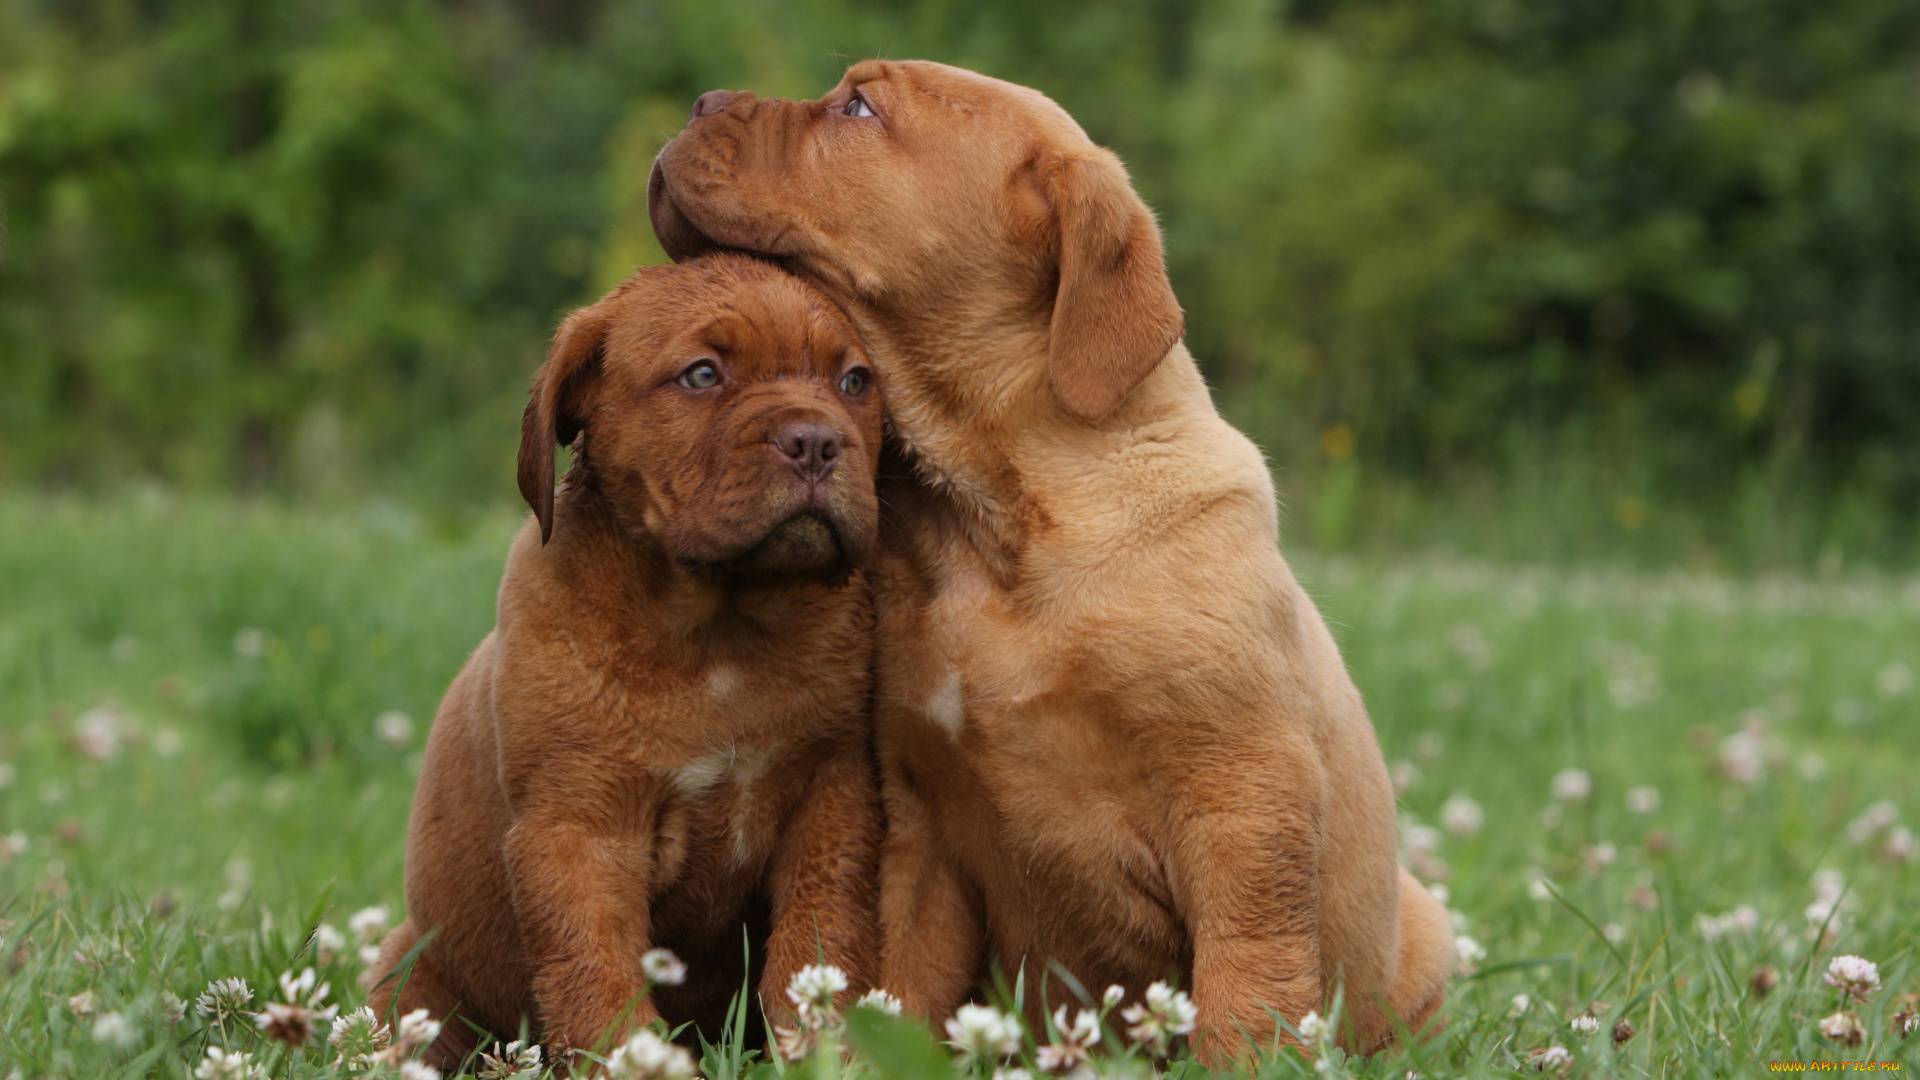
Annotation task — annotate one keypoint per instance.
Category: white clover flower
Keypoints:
(1072, 1043)
(172, 1009)
(1894, 680)
(879, 1001)
(418, 1070)
(1585, 1025)
(369, 924)
(328, 942)
(1313, 1027)
(1900, 846)
(663, 968)
(1521, 1003)
(98, 731)
(1178, 1009)
(14, 845)
(224, 999)
(1614, 933)
(1598, 857)
(1743, 755)
(1467, 953)
(239, 874)
(1555, 1058)
(795, 1043)
(416, 1031)
(1844, 1027)
(812, 988)
(291, 1024)
(1853, 976)
(1572, 785)
(982, 1031)
(393, 727)
(1014, 1073)
(249, 643)
(1829, 885)
(510, 1061)
(1114, 995)
(304, 988)
(1831, 900)
(1644, 799)
(1415, 837)
(1166, 1014)
(1404, 775)
(1538, 888)
(646, 1056)
(357, 1037)
(82, 1004)
(1461, 815)
(221, 1064)
(114, 1029)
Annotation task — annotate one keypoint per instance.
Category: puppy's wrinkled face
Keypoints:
(724, 407)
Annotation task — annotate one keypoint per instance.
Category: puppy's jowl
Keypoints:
(1115, 734)
(664, 737)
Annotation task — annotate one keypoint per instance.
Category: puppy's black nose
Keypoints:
(713, 101)
(813, 448)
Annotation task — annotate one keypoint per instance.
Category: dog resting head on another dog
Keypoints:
(1114, 732)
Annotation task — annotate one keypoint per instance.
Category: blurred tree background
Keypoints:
(1634, 278)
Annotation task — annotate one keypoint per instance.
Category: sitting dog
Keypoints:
(1115, 734)
(665, 736)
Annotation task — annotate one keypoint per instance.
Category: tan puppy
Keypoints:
(665, 735)
(1114, 732)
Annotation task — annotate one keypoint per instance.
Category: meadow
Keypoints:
(1665, 801)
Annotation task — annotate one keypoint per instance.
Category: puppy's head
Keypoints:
(723, 407)
(919, 192)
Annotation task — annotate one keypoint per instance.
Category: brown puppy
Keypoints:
(665, 735)
(1115, 733)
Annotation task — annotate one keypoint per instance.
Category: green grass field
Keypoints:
(201, 762)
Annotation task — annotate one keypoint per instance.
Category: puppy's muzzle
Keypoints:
(812, 448)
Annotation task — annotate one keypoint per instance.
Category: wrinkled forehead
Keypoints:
(925, 85)
(763, 327)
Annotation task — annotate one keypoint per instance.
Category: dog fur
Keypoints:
(665, 736)
(1116, 737)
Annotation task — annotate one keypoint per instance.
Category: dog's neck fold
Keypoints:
(984, 433)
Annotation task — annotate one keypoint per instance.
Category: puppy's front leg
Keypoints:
(1247, 879)
(825, 881)
(931, 929)
(580, 869)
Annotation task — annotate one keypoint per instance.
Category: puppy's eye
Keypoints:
(701, 375)
(853, 382)
(858, 107)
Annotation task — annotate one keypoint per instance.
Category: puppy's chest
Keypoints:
(731, 754)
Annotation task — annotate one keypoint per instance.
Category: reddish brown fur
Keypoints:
(665, 734)
(1114, 732)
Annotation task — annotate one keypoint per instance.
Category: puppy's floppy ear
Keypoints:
(555, 411)
(1115, 315)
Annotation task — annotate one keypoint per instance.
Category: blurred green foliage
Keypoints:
(1512, 275)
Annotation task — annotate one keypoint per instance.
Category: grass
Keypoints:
(226, 664)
